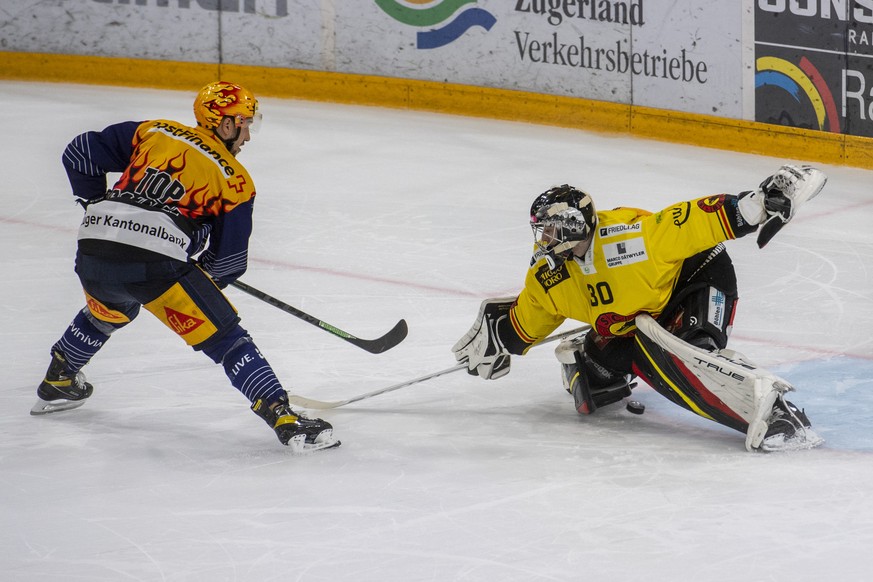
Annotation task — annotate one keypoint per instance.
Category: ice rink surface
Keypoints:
(365, 216)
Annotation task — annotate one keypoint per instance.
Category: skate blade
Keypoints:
(324, 440)
(801, 441)
(48, 406)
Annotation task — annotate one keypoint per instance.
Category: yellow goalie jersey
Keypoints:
(631, 267)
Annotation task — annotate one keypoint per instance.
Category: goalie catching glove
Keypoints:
(481, 348)
(777, 199)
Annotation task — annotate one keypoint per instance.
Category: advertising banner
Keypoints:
(814, 64)
(280, 33)
(684, 55)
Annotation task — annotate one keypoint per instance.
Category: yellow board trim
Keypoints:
(644, 122)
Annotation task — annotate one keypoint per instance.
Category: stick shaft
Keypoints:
(375, 346)
(314, 404)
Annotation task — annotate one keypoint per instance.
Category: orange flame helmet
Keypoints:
(218, 100)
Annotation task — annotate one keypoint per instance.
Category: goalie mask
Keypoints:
(561, 218)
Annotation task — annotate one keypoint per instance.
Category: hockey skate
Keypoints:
(788, 429)
(301, 434)
(60, 390)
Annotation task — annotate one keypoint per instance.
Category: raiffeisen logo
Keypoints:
(445, 13)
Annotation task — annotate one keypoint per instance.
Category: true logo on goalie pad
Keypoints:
(721, 369)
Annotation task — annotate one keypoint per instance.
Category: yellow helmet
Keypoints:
(218, 100)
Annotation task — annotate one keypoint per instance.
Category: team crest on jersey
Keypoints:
(613, 324)
(711, 204)
(549, 278)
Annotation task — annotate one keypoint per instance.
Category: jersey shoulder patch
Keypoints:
(549, 278)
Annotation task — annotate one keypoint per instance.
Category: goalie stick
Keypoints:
(324, 405)
(375, 346)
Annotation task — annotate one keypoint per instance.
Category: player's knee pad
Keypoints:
(109, 316)
(702, 317)
(591, 384)
(103, 327)
(701, 310)
(607, 358)
(196, 310)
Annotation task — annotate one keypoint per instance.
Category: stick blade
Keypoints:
(376, 346)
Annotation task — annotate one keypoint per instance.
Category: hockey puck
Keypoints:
(635, 407)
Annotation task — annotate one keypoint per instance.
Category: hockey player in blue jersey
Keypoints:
(168, 236)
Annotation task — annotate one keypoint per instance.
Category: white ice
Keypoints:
(365, 216)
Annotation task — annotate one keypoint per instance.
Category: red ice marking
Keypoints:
(365, 277)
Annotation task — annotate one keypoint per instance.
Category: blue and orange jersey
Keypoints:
(631, 267)
(179, 188)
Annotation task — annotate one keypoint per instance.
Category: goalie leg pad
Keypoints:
(723, 386)
(591, 385)
(712, 389)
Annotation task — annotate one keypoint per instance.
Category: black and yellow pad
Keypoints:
(671, 375)
(105, 313)
(194, 308)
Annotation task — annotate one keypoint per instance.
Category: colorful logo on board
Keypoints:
(798, 87)
(448, 20)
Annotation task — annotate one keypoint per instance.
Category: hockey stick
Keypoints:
(324, 405)
(375, 346)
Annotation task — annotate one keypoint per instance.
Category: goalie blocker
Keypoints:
(724, 387)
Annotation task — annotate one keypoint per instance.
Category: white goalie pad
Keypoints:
(749, 391)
